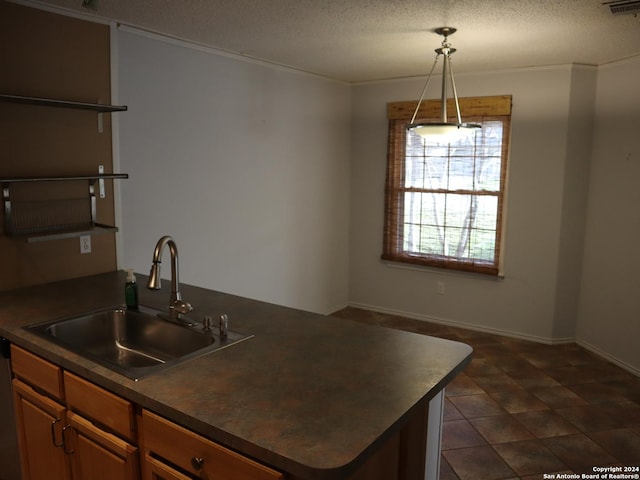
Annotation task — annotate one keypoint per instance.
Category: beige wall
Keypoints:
(575, 194)
(245, 165)
(524, 303)
(53, 56)
(572, 213)
(610, 294)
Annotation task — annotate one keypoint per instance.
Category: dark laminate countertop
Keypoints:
(311, 395)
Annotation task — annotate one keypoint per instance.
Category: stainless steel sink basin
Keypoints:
(134, 343)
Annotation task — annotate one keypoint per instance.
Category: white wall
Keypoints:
(526, 302)
(610, 293)
(245, 165)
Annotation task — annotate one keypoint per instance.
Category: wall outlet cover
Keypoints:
(85, 244)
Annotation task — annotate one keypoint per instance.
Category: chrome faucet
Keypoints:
(177, 307)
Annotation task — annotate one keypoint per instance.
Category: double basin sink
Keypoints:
(134, 343)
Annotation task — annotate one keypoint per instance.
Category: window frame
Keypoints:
(399, 115)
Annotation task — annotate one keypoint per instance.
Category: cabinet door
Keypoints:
(157, 470)
(40, 421)
(98, 455)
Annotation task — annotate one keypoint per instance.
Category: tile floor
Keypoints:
(522, 409)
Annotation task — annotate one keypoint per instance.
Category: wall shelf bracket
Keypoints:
(39, 220)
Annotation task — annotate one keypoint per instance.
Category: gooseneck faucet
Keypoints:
(177, 307)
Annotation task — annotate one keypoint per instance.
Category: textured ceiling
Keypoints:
(362, 40)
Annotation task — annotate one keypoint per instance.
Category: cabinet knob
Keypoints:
(197, 462)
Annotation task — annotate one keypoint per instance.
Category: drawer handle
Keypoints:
(65, 447)
(197, 462)
(54, 436)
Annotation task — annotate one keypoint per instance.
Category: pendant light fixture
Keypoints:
(443, 128)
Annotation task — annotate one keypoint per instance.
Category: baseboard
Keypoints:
(593, 349)
(467, 326)
(504, 333)
(333, 310)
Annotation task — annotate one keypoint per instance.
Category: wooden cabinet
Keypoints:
(154, 469)
(115, 413)
(35, 371)
(70, 428)
(56, 436)
(193, 454)
(40, 422)
(99, 455)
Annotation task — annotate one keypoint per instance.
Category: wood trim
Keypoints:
(413, 445)
(401, 457)
(383, 464)
(469, 107)
(394, 202)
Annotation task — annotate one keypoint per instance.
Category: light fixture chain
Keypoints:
(455, 93)
(443, 127)
(424, 89)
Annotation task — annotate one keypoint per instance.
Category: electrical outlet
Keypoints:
(440, 288)
(85, 244)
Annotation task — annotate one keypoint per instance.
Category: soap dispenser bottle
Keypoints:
(131, 291)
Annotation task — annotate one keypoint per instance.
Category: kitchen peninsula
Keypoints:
(311, 396)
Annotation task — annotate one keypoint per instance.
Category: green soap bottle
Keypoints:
(131, 291)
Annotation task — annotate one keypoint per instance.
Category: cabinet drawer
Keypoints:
(156, 470)
(99, 405)
(183, 448)
(37, 372)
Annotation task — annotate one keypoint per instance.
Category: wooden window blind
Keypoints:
(444, 201)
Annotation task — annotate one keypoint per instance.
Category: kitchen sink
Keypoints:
(135, 343)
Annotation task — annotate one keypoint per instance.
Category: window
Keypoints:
(445, 201)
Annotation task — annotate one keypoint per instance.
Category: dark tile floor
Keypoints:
(523, 409)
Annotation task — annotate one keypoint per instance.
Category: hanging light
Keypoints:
(443, 127)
